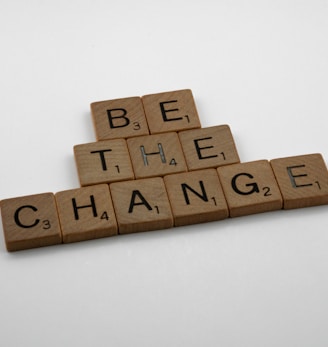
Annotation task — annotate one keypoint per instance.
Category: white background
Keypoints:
(259, 66)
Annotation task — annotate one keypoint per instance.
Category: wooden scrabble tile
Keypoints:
(103, 162)
(86, 213)
(119, 118)
(208, 147)
(30, 221)
(303, 180)
(250, 188)
(171, 111)
(156, 155)
(196, 197)
(141, 205)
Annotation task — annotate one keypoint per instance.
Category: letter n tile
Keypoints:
(196, 197)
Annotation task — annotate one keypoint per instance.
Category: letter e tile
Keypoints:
(209, 147)
(171, 111)
(103, 162)
(30, 221)
(196, 197)
(119, 118)
(250, 188)
(141, 205)
(86, 213)
(303, 180)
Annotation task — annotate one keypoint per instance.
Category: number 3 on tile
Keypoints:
(46, 224)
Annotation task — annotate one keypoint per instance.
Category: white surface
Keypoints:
(259, 66)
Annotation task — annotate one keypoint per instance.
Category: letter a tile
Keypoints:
(171, 111)
(30, 221)
(156, 155)
(141, 205)
(86, 213)
(119, 118)
(103, 162)
(303, 180)
(196, 197)
(250, 188)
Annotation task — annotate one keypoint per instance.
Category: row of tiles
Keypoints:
(157, 203)
(155, 155)
(149, 114)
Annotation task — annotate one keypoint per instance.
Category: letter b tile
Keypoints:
(30, 221)
(119, 118)
(250, 188)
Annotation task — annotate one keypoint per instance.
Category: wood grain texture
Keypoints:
(103, 162)
(119, 118)
(171, 111)
(86, 213)
(156, 155)
(303, 180)
(30, 222)
(196, 197)
(250, 188)
(209, 147)
(141, 205)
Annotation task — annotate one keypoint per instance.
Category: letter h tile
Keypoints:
(86, 213)
(156, 155)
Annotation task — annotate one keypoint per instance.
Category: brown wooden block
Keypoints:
(103, 162)
(171, 111)
(209, 147)
(250, 188)
(30, 221)
(119, 118)
(141, 205)
(303, 180)
(156, 155)
(86, 213)
(196, 197)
